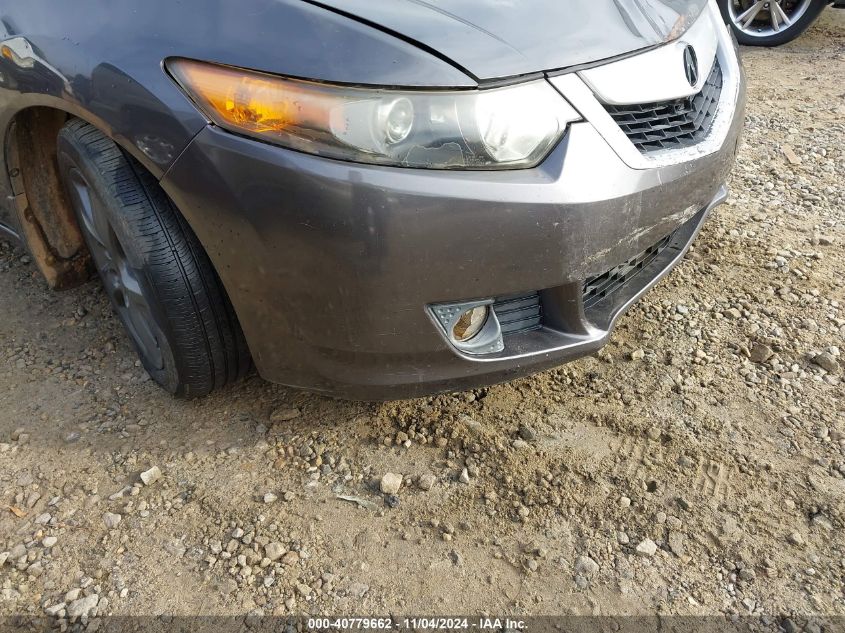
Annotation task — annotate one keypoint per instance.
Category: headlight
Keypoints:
(500, 128)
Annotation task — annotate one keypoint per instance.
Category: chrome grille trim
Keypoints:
(671, 124)
(578, 92)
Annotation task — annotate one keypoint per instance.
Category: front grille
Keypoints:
(601, 286)
(671, 124)
(518, 313)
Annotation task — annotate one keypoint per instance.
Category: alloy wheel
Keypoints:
(762, 18)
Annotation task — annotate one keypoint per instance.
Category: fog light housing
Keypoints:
(470, 326)
(470, 323)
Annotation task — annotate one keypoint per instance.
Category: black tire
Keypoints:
(787, 34)
(157, 275)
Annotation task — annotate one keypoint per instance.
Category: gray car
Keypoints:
(367, 198)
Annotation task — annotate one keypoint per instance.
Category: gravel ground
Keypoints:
(695, 466)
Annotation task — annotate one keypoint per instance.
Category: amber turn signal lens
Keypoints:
(252, 102)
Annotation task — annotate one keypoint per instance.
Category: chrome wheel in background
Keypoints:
(760, 18)
(769, 22)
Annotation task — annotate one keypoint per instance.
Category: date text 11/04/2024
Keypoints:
(416, 624)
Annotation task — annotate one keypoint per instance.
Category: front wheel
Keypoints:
(769, 22)
(155, 272)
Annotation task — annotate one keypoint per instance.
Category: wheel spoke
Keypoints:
(764, 18)
(91, 228)
(105, 233)
(139, 317)
(747, 17)
(95, 223)
(85, 206)
(782, 17)
(132, 287)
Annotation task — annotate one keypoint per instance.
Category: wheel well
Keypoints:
(44, 212)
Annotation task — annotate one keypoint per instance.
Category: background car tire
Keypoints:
(786, 34)
(155, 272)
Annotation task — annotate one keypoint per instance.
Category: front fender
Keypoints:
(56, 55)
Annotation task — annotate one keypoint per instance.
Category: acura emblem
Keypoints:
(691, 65)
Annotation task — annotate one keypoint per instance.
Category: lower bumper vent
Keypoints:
(524, 312)
(519, 313)
(598, 287)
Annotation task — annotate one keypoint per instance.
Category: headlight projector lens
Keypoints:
(399, 120)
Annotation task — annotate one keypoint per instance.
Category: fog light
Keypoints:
(470, 323)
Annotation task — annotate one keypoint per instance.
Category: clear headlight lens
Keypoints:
(500, 128)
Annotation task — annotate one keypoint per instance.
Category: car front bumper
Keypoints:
(333, 267)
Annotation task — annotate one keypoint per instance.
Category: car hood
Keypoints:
(503, 38)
